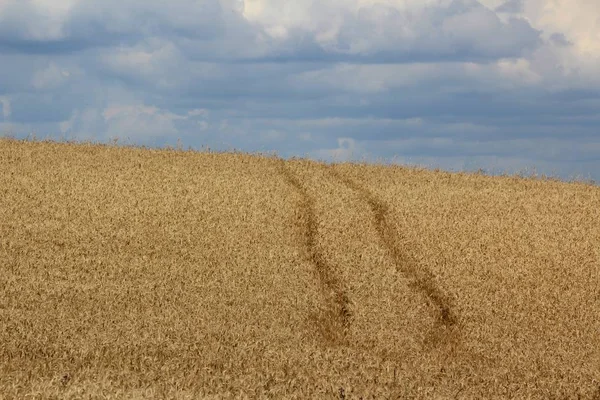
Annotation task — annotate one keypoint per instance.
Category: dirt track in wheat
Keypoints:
(137, 273)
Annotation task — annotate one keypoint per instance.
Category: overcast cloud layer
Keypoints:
(458, 84)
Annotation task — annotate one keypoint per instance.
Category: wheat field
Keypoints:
(154, 273)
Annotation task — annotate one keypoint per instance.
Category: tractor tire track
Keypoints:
(334, 323)
(421, 280)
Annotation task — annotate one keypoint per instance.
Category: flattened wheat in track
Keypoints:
(421, 279)
(335, 322)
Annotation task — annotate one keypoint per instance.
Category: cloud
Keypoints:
(213, 29)
(511, 7)
(459, 31)
(52, 77)
(6, 110)
(41, 27)
(448, 30)
(577, 20)
(346, 150)
(559, 39)
(135, 119)
(461, 83)
(29, 21)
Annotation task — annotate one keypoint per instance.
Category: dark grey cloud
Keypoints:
(26, 28)
(559, 39)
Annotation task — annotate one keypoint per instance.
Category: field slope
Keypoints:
(138, 273)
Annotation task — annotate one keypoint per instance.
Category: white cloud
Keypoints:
(83, 125)
(67, 125)
(35, 19)
(6, 110)
(436, 28)
(51, 77)
(348, 149)
(140, 121)
(152, 61)
(578, 20)
(518, 71)
(198, 112)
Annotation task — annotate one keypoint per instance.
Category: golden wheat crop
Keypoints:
(141, 273)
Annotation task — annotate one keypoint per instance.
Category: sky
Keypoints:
(505, 86)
